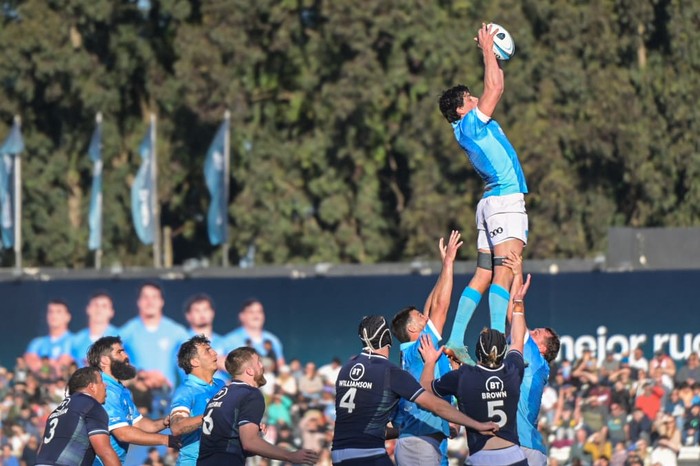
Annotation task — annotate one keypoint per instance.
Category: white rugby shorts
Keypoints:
(499, 218)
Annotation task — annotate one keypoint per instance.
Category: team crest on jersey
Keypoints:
(222, 393)
(357, 371)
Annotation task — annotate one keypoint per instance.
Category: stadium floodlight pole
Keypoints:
(18, 204)
(227, 175)
(155, 207)
(98, 251)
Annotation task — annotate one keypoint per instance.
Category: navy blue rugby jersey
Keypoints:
(487, 395)
(68, 429)
(368, 389)
(234, 405)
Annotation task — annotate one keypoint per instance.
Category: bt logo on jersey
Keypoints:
(357, 371)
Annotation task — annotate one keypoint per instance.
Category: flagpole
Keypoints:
(98, 251)
(18, 205)
(154, 207)
(227, 171)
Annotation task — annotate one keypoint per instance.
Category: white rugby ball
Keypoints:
(503, 44)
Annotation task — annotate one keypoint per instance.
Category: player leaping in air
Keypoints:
(501, 219)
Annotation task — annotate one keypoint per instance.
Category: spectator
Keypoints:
(199, 314)
(650, 399)
(578, 453)
(638, 361)
(100, 312)
(56, 346)
(690, 373)
(691, 427)
(287, 382)
(152, 339)
(666, 365)
(617, 424)
(153, 458)
(598, 445)
(639, 426)
(594, 411)
(28, 457)
(585, 369)
(8, 459)
(310, 384)
(251, 333)
(619, 455)
(329, 372)
(668, 444)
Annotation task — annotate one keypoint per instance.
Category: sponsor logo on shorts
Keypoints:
(496, 232)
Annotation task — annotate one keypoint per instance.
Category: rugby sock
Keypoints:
(498, 305)
(465, 310)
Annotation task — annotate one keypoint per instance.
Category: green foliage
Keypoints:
(339, 153)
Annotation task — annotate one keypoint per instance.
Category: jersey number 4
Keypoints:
(497, 413)
(348, 400)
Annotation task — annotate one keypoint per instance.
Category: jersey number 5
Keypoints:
(348, 400)
(497, 413)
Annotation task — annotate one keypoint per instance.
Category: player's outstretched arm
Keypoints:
(182, 423)
(132, 434)
(252, 442)
(514, 262)
(448, 412)
(152, 425)
(518, 328)
(494, 82)
(438, 302)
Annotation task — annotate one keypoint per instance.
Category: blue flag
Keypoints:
(95, 214)
(215, 177)
(142, 192)
(11, 148)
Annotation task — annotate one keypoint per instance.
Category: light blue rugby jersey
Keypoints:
(193, 396)
(490, 153)
(414, 420)
(154, 348)
(82, 342)
(531, 389)
(122, 412)
(51, 347)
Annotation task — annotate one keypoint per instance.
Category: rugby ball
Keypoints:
(503, 44)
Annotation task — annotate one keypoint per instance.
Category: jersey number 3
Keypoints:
(52, 430)
(348, 400)
(497, 413)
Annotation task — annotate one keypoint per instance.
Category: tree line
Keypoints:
(339, 152)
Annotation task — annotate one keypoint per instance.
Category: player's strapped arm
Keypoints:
(253, 443)
(494, 81)
(103, 448)
(182, 423)
(439, 300)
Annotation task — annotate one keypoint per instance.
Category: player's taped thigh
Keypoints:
(498, 261)
(484, 260)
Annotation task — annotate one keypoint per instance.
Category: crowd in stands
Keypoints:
(616, 411)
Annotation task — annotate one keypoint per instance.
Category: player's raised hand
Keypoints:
(449, 251)
(304, 456)
(519, 294)
(514, 262)
(484, 37)
(427, 349)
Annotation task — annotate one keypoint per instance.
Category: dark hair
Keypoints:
(491, 348)
(100, 294)
(198, 298)
(151, 285)
(81, 378)
(188, 350)
(60, 302)
(451, 100)
(249, 302)
(237, 358)
(553, 345)
(400, 322)
(102, 347)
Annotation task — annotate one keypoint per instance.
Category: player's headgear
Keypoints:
(374, 333)
(491, 348)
